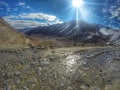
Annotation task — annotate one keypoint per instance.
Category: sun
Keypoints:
(77, 3)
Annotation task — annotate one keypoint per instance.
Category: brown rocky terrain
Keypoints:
(74, 68)
(12, 39)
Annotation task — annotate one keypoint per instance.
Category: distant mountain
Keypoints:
(12, 39)
(80, 31)
(114, 38)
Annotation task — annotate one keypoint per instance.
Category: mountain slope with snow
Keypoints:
(76, 31)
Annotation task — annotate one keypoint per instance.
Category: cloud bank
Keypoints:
(31, 20)
(112, 15)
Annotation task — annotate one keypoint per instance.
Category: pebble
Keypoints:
(45, 63)
(69, 88)
(7, 87)
(25, 88)
(17, 81)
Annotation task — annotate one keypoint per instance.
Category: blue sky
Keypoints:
(59, 8)
(47, 12)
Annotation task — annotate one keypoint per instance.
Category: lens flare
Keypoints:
(77, 3)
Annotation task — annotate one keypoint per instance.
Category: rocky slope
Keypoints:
(12, 39)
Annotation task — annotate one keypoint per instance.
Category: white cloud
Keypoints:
(10, 17)
(15, 9)
(22, 4)
(38, 16)
(25, 20)
(22, 24)
(114, 11)
(1, 8)
(8, 9)
(112, 15)
(4, 3)
(28, 7)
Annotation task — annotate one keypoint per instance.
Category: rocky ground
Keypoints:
(74, 68)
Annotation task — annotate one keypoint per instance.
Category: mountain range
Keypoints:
(80, 31)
